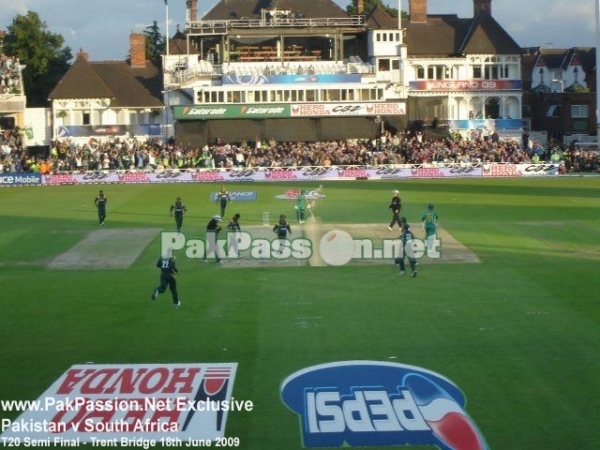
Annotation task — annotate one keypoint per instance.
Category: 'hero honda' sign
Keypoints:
(90, 402)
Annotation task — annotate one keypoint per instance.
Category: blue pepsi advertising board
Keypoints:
(372, 403)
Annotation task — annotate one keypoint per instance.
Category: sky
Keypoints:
(102, 28)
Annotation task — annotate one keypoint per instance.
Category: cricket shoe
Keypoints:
(154, 295)
(177, 305)
(390, 228)
(414, 274)
(402, 272)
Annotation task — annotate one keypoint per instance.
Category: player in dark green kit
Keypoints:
(406, 237)
(300, 206)
(100, 202)
(168, 270)
(429, 219)
(178, 209)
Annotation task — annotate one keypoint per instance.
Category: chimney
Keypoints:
(137, 43)
(483, 7)
(82, 54)
(418, 10)
(193, 4)
(360, 7)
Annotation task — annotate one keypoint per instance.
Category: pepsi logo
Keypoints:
(372, 403)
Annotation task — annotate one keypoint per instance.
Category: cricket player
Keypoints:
(429, 220)
(406, 237)
(233, 228)
(282, 228)
(223, 199)
(168, 270)
(178, 209)
(213, 228)
(100, 202)
(300, 206)
(396, 207)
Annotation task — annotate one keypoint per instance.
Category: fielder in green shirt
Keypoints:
(301, 206)
(429, 223)
(429, 219)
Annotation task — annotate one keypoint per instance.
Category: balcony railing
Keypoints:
(223, 26)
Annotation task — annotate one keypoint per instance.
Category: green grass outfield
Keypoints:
(519, 332)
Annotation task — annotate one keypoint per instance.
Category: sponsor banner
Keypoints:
(392, 172)
(262, 111)
(537, 170)
(60, 178)
(64, 131)
(355, 172)
(465, 85)
(347, 109)
(318, 173)
(291, 79)
(446, 172)
(372, 403)
(520, 170)
(256, 111)
(127, 404)
(237, 196)
(247, 174)
(20, 179)
(209, 176)
(282, 174)
(486, 124)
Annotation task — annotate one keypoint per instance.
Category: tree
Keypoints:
(352, 8)
(42, 52)
(155, 42)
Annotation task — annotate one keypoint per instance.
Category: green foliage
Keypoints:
(155, 42)
(42, 52)
(370, 5)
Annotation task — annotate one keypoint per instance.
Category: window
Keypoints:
(384, 65)
(553, 111)
(580, 111)
(420, 72)
(86, 118)
(436, 72)
(234, 97)
(491, 72)
(334, 95)
(477, 72)
(557, 74)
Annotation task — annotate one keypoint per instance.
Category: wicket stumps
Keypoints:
(266, 219)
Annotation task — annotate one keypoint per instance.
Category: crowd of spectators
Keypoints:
(10, 75)
(397, 149)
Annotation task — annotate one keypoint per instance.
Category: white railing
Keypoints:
(219, 26)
